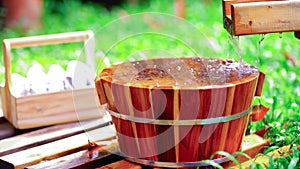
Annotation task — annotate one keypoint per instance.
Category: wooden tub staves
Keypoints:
(176, 112)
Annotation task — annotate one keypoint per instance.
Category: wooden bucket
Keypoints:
(167, 125)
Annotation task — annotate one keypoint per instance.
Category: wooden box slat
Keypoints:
(46, 135)
(121, 164)
(60, 142)
(81, 159)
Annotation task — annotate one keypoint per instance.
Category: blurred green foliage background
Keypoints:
(282, 86)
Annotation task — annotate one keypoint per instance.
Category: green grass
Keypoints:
(281, 91)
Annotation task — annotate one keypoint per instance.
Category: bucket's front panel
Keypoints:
(242, 101)
(142, 107)
(223, 101)
(164, 109)
(193, 105)
(128, 130)
(213, 136)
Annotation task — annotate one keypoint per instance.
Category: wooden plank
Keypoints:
(42, 40)
(269, 17)
(100, 162)
(80, 159)
(226, 5)
(6, 129)
(35, 110)
(46, 135)
(63, 146)
(121, 164)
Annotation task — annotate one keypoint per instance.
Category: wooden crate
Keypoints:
(51, 108)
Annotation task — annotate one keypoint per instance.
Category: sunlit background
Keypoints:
(277, 55)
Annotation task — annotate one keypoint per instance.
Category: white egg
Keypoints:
(56, 77)
(37, 79)
(19, 85)
(82, 76)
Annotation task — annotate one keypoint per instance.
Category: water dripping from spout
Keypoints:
(262, 37)
(236, 44)
(235, 41)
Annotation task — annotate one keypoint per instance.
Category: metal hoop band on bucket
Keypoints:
(176, 164)
(180, 122)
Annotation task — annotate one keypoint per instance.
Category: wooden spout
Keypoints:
(269, 17)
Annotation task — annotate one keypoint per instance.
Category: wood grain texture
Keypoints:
(179, 143)
(36, 110)
(81, 159)
(100, 90)
(55, 148)
(53, 108)
(47, 135)
(227, 4)
(50, 39)
(260, 84)
(121, 165)
(269, 17)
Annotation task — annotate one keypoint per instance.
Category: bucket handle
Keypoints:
(259, 111)
(260, 83)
